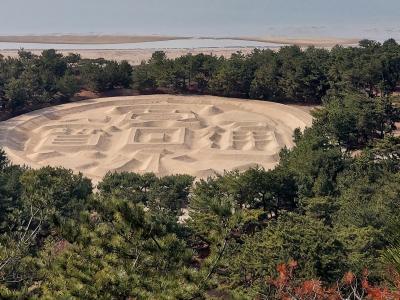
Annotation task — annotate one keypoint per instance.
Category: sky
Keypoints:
(202, 17)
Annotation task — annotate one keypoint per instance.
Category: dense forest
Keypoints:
(324, 224)
(291, 74)
(32, 81)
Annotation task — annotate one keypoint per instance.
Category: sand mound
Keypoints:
(92, 155)
(163, 134)
(185, 158)
(210, 110)
(44, 155)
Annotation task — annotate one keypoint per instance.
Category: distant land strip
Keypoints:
(303, 42)
(86, 39)
(125, 39)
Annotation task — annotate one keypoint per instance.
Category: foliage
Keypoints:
(30, 81)
(326, 210)
(102, 75)
(355, 120)
(121, 251)
(290, 74)
(168, 194)
(286, 285)
(320, 253)
(323, 215)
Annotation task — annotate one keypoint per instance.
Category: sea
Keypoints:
(373, 19)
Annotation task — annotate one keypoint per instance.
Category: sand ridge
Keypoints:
(164, 134)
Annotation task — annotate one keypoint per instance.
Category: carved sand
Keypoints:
(164, 134)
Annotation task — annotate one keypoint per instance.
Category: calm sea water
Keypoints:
(376, 19)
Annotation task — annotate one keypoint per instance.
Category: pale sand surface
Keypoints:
(164, 134)
(302, 42)
(124, 39)
(86, 39)
(136, 56)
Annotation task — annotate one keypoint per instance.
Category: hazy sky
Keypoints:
(197, 17)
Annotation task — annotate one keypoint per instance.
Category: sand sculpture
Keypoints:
(164, 134)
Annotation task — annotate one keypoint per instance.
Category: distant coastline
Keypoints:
(86, 39)
(128, 47)
(133, 39)
(303, 42)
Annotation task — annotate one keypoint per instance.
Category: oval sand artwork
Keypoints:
(197, 135)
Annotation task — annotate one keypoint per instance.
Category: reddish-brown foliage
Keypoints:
(286, 287)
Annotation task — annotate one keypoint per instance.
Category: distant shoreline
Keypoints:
(86, 39)
(128, 39)
(303, 42)
(136, 55)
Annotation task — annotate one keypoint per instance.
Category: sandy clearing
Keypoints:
(164, 134)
